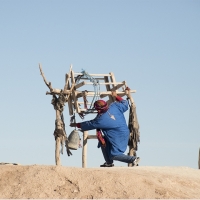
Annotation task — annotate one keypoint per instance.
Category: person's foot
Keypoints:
(136, 161)
(107, 165)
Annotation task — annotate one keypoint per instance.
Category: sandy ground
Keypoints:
(55, 182)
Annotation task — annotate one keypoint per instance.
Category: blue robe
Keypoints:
(116, 132)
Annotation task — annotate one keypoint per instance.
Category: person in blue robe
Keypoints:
(111, 121)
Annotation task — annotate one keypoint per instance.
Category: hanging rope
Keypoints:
(96, 86)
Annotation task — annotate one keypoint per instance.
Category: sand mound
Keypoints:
(43, 182)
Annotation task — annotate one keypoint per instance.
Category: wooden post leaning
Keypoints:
(134, 129)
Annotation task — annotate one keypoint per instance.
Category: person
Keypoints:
(111, 121)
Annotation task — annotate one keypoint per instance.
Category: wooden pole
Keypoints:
(112, 78)
(131, 153)
(84, 151)
(74, 93)
(108, 89)
(102, 94)
(57, 148)
(67, 77)
(57, 151)
(93, 74)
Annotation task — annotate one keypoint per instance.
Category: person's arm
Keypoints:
(123, 104)
(97, 122)
(118, 98)
(78, 125)
(87, 125)
(100, 122)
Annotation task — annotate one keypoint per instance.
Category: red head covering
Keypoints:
(101, 106)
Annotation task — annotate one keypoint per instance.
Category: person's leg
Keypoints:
(105, 155)
(124, 158)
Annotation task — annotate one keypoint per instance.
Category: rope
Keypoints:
(96, 86)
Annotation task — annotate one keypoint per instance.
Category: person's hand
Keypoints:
(114, 94)
(127, 88)
(73, 125)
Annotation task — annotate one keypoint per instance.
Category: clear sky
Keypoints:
(153, 45)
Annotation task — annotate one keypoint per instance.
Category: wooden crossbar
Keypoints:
(79, 102)
(98, 78)
(93, 74)
(102, 94)
(114, 88)
(90, 83)
(91, 137)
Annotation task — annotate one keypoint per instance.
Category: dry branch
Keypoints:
(48, 84)
(67, 77)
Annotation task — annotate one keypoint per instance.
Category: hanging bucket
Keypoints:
(74, 140)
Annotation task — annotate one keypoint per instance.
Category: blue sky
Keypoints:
(153, 45)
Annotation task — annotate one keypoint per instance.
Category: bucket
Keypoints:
(74, 140)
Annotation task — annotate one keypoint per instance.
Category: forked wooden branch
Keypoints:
(48, 84)
(59, 126)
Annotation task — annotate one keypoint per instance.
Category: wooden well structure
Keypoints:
(76, 95)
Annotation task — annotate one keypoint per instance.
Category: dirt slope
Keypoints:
(43, 182)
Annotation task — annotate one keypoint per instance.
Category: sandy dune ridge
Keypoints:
(55, 182)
